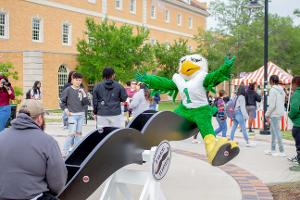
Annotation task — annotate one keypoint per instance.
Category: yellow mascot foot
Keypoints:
(220, 151)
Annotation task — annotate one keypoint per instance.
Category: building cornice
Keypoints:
(101, 15)
(38, 51)
(179, 4)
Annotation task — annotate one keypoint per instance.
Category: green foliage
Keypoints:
(7, 69)
(117, 47)
(297, 12)
(213, 46)
(168, 105)
(167, 56)
(241, 32)
(232, 14)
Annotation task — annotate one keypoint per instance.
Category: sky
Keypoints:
(280, 7)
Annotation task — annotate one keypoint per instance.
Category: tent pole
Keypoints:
(287, 108)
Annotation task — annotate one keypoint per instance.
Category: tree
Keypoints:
(232, 14)
(297, 12)
(117, 47)
(213, 46)
(246, 40)
(167, 56)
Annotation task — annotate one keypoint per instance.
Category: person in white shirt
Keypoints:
(140, 100)
(274, 112)
(35, 92)
(241, 115)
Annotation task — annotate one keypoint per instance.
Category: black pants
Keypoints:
(296, 135)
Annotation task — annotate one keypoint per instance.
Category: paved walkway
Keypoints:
(191, 177)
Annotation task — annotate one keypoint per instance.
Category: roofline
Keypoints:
(200, 11)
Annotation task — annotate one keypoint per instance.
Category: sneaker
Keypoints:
(250, 144)
(282, 154)
(293, 159)
(295, 168)
(268, 152)
(194, 141)
(65, 154)
(275, 154)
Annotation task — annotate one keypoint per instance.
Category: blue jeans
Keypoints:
(276, 134)
(75, 129)
(4, 116)
(239, 120)
(222, 127)
(65, 119)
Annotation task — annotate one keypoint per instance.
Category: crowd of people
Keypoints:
(45, 175)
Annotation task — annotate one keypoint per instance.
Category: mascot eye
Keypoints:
(196, 59)
(183, 60)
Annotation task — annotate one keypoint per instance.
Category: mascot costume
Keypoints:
(193, 82)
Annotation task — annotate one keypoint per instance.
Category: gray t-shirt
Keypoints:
(74, 100)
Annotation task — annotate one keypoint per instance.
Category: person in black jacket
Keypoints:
(64, 115)
(251, 98)
(107, 98)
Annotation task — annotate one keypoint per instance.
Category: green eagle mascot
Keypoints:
(192, 82)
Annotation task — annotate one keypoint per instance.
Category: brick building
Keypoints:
(39, 36)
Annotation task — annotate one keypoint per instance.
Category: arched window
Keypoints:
(62, 78)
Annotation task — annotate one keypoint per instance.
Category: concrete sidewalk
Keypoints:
(191, 177)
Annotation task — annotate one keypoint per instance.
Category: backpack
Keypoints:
(28, 94)
(221, 114)
(230, 106)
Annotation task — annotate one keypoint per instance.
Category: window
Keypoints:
(92, 1)
(66, 34)
(153, 12)
(37, 29)
(119, 4)
(190, 22)
(3, 25)
(62, 78)
(179, 18)
(133, 6)
(167, 16)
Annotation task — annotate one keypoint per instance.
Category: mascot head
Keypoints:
(191, 64)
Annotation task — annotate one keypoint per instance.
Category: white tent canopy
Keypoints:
(258, 75)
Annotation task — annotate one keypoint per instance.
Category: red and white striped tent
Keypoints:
(258, 75)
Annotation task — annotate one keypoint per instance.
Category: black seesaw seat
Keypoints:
(102, 153)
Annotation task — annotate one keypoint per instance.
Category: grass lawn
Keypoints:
(55, 111)
(287, 135)
(53, 120)
(168, 105)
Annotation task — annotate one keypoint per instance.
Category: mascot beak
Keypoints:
(188, 68)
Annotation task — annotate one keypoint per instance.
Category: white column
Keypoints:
(104, 8)
(144, 12)
(32, 69)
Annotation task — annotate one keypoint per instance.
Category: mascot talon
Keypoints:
(193, 82)
(220, 151)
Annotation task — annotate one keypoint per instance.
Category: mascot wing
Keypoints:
(213, 78)
(159, 84)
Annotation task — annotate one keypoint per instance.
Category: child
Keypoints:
(221, 114)
(74, 99)
(294, 115)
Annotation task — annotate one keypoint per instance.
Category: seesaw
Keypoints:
(103, 152)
